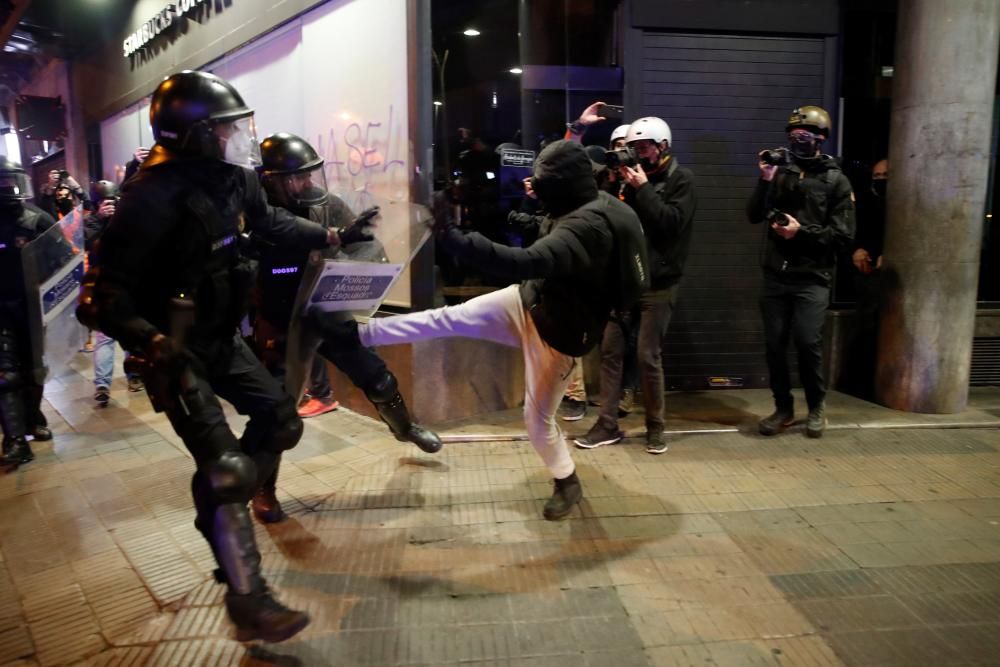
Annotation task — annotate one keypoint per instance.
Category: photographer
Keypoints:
(60, 189)
(105, 197)
(662, 195)
(809, 207)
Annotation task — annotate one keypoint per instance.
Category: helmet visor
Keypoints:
(300, 189)
(239, 141)
(15, 185)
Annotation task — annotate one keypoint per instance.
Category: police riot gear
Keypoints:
(292, 171)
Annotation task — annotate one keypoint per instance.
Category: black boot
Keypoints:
(777, 421)
(566, 495)
(15, 447)
(16, 451)
(252, 609)
(392, 409)
(816, 421)
(265, 504)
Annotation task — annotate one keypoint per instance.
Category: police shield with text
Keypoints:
(171, 285)
(20, 385)
(292, 173)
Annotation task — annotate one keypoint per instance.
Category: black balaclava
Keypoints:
(64, 205)
(879, 185)
(564, 177)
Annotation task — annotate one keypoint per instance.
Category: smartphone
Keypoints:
(613, 111)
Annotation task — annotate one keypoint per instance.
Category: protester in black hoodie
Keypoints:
(570, 287)
(809, 206)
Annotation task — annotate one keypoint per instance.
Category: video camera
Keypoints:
(776, 157)
(621, 157)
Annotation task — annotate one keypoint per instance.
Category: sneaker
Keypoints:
(102, 396)
(41, 434)
(627, 404)
(599, 435)
(572, 411)
(317, 406)
(655, 442)
(135, 384)
(816, 422)
(777, 421)
(565, 496)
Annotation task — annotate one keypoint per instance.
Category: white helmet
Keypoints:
(618, 133)
(649, 127)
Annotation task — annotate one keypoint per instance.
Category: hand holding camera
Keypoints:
(770, 160)
(106, 209)
(783, 224)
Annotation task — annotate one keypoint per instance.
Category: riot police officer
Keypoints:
(171, 285)
(292, 174)
(20, 390)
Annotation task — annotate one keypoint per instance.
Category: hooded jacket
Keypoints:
(817, 194)
(569, 274)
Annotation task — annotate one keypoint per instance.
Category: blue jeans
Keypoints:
(104, 359)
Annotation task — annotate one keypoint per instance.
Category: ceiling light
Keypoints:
(438, 103)
(471, 32)
(515, 70)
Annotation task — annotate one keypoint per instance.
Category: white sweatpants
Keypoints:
(499, 317)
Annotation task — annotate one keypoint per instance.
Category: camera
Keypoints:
(774, 216)
(621, 157)
(63, 174)
(776, 157)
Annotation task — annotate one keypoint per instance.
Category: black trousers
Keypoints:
(796, 311)
(21, 405)
(243, 381)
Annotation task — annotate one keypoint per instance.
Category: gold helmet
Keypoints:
(810, 118)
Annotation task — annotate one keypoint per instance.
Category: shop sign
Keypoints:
(156, 25)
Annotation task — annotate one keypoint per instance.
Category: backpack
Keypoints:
(632, 265)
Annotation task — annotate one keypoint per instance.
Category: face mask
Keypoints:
(879, 185)
(64, 205)
(802, 149)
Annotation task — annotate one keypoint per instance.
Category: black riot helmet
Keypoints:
(15, 184)
(292, 171)
(104, 190)
(190, 108)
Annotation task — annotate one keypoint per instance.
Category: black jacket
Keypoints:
(568, 286)
(818, 194)
(665, 206)
(281, 266)
(175, 231)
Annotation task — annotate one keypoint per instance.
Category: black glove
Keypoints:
(361, 229)
(166, 355)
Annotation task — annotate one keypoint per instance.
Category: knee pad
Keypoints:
(384, 389)
(287, 428)
(233, 477)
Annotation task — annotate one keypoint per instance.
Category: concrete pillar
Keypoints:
(942, 107)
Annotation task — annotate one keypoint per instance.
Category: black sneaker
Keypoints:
(565, 496)
(816, 422)
(572, 411)
(135, 384)
(776, 422)
(102, 396)
(655, 442)
(598, 435)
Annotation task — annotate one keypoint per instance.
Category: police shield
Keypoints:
(354, 281)
(53, 272)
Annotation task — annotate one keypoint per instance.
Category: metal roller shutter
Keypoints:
(725, 98)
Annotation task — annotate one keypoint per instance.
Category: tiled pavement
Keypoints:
(868, 547)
